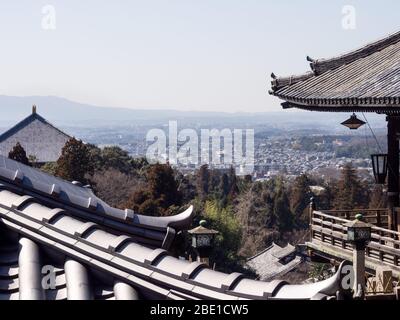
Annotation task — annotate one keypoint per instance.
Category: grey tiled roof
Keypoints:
(367, 79)
(37, 136)
(51, 189)
(11, 275)
(267, 264)
(97, 258)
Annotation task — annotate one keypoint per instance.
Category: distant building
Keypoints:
(274, 262)
(38, 137)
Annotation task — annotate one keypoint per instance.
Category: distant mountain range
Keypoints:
(64, 112)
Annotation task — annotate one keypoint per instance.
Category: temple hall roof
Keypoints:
(37, 136)
(366, 79)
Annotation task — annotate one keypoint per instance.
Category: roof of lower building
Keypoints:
(366, 79)
(37, 136)
(268, 264)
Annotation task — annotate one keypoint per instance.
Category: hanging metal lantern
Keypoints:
(353, 123)
(380, 167)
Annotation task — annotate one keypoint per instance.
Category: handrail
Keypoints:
(378, 217)
(384, 246)
(356, 210)
(322, 214)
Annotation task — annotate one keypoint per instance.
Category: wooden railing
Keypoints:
(377, 217)
(329, 229)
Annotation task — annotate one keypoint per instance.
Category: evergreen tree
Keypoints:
(282, 213)
(95, 156)
(300, 198)
(74, 162)
(186, 187)
(223, 189)
(18, 153)
(116, 158)
(202, 182)
(163, 185)
(233, 189)
(350, 192)
(160, 195)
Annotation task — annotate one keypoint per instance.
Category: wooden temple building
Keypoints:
(363, 80)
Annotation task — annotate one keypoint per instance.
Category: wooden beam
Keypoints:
(393, 168)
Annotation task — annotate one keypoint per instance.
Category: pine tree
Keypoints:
(202, 182)
(223, 189)
(160, 195)
(18, 153)
(233, 188)
(74, 162)
(282, 213)
(163, 185)
(116, 158)
(350, 192)
(300, 198)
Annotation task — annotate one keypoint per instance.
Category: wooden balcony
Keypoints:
(377, 217)
(329, 235)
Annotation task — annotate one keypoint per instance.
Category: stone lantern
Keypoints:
(359, 234)
(202, 241)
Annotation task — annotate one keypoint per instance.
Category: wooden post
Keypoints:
(378, 218)
(311, 214)
(393, 169)
(397, 212)
(359, 269)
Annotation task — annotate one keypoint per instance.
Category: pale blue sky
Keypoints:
(180, 54)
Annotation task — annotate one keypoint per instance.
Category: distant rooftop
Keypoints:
(37, 136)
(274, 261)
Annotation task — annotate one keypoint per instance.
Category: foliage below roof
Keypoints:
(367, 79)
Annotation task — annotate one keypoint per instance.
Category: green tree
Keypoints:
(186, 186)
(203, 181)
(75, 161)
(233, 185)
(223, 189)
(160, 196)
(300, 198)
(282, 213)
(116, 158)
(95, 157)
(350, 192)
(50, 168)
(18, 153)
(227, 242)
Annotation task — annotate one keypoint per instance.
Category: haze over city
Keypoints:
(182, 55)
